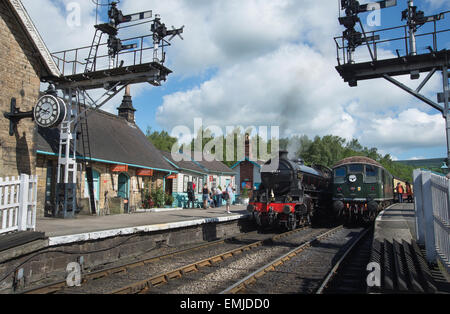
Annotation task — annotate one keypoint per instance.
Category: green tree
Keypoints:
(161, 140)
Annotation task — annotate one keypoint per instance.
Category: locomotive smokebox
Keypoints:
(284, 154)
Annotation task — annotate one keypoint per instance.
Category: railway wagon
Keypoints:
(290, 194)
(361, 189)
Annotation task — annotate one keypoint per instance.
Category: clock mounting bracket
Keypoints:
(15, 115)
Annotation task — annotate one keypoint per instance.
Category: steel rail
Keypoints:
(57, 286)
(240, 285)
(338, 264)
(145, 285)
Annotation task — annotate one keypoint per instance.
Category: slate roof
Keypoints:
(112, 140)
(184, 164)
(216, 166)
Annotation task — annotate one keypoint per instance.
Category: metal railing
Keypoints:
(18, 203)
(396, 39)
(432, 200)
(74, 61)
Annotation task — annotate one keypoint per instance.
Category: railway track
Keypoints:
(214, 252)
(206, 276)
(248, 283)
(349, 274)
(301, 270)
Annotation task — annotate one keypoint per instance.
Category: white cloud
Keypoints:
(273, 63)
(411, 127)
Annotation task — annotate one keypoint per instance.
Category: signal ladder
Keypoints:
(91, 61)
(84, 132)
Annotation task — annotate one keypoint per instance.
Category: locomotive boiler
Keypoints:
(290, 193)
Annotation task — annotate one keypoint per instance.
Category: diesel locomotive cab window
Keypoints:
(355, 168)
(340, 174)
(371, 174)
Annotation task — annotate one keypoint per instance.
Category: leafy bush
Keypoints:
(158, 197)
(169, 199)
(147, 201)
(244, 193)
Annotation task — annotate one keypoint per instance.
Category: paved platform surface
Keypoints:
(396, 222)
(82, 228)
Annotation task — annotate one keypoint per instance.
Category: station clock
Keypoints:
(49, 111)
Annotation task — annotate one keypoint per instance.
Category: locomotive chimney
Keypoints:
(284, 154)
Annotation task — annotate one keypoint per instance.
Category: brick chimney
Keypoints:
(126, 109)
(248, 147)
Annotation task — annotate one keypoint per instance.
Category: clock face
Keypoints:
(49, 112)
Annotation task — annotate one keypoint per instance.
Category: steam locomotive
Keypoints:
(361, 189)
(290, 193)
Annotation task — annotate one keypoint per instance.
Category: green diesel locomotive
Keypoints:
(361, 189)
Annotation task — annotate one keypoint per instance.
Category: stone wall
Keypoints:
(108, 181)
(20, 79)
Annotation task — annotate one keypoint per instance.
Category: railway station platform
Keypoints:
(98, 242)
(85, 228)
(404, 268)
(396, 222)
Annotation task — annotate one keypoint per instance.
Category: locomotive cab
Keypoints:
(361, 188)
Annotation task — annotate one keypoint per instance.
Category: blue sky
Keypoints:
(259, 62)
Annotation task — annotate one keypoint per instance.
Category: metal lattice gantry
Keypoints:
(109, 63)
(432, 57)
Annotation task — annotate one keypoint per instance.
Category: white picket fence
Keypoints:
(432, 200)
(18, 203)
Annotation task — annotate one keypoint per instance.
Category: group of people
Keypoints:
(401, 191)
(212, 198)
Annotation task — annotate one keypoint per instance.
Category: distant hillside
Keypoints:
(424, 163)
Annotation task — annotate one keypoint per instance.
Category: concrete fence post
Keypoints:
(23, 202)
(430, 244)
(418, 200)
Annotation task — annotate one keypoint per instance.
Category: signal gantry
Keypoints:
(110, 64)
(402, 38)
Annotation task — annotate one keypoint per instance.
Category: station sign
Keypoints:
(174, 176)
(119, 168)
(144, 172)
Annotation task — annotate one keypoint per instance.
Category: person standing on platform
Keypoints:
(219, 196)
(400, 192)
(229, 197)
(212, 195)
(409, 192)
(191, 196)
(205, 196)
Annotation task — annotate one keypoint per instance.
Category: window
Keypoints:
(371, 174)
(371, 171)
(340, 174)
(185, 183)
(355, 168)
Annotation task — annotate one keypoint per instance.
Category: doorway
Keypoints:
(123, 186)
